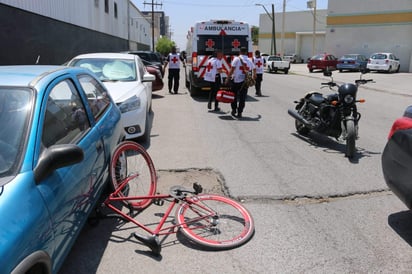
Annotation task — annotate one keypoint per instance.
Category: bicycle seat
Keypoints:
(179, 192)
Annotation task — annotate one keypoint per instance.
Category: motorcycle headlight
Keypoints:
(348, 99)
(130, 104)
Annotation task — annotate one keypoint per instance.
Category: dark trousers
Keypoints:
(258, 84)
(240, 91)
(214, 87)
(174, 76)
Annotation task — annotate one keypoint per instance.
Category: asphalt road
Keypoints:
(315, 210)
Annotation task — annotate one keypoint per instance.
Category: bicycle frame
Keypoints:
(159, 230)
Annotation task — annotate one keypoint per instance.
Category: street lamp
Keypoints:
(312, 4)
(272, 17)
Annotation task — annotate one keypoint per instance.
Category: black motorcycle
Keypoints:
(334, 115)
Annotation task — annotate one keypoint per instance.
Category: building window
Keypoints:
(115, 10)
(96, 3)
(106, 6)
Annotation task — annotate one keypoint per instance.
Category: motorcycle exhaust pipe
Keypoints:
(298, 117)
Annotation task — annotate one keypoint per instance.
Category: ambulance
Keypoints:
(206, 37)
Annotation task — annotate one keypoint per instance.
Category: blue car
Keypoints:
(58, 128)
(352, 62)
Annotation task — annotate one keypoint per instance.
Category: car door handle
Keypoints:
(99, 145)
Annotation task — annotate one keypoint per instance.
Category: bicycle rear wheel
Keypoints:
(131, 162)
(215, 222)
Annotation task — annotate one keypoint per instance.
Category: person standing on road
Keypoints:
(259, 63)
(173, 60)
(240, 66)
(212, 75)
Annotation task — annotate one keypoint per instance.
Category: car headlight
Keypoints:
(130, 104)
(348, 99)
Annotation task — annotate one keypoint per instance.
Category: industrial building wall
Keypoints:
(297, 32)
(370, 26)
(91, 14)
(24, 36)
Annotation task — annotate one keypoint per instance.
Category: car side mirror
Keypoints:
(364, 70)
(148, 78)
(327, 73)
(56, 157)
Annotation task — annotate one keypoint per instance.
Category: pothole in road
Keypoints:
(211, 180)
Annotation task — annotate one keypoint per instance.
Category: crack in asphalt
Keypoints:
(212, 178)
(313, 199)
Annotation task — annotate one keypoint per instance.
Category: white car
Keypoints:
(383, 61)
(129, 84)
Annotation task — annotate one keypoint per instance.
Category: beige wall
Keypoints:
(349, 26)
(374, 26)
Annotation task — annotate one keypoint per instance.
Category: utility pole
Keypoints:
(153, 4)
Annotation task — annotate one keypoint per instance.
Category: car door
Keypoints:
(69, 192)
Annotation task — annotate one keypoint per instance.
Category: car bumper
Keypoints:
(134, 123)
(378, 67)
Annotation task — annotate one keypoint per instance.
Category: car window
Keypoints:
(109, 69)
(15, 110)
(65, 120)
(96, 95)
(141, 69)
(378, 56)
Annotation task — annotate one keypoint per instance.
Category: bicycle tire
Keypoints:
(231, 226)
(131, 161)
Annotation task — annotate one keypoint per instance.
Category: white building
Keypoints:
(349, 26)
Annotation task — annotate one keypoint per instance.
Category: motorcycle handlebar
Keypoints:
(332, 84)
(363, 81)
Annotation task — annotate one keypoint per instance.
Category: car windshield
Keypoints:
(15, 109)
(353, 57)
(318, 57)
(379, 56)
(108, 69)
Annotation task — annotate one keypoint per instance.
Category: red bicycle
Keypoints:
(212, 221)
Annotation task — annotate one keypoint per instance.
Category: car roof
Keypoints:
(110, 55)
(27, 75)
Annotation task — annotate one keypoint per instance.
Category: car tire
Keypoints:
(146, 135)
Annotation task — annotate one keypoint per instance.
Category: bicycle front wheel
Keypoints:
(130, 161)
(215, 222)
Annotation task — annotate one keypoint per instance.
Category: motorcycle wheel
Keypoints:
(301, 128)
(350, 138)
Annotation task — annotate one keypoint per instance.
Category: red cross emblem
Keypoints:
(209, 66)
(235, 43)
(258, 63)
(174, 59)
(210, 43)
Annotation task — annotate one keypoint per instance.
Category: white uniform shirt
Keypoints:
(238, 74)
(174, 61)
(259, 63)
(213, 65)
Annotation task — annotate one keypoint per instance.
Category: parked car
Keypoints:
(155, 58)
(352, 62)
(275, 63)
(322, 62)
(58, 129)
(397, 158)
(383, 61)
(130, 85)
(293, 58)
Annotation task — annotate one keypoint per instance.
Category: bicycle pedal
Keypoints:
(158, 202)
(150, 241)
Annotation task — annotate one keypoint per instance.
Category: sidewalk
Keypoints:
(396, 83)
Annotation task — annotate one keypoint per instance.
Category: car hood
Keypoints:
(121, 91)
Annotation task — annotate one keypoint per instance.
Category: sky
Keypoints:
(183, 14)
